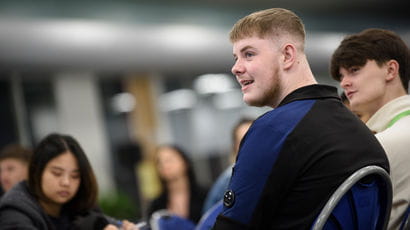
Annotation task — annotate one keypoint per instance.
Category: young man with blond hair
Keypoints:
(373, 67)
(294, 156)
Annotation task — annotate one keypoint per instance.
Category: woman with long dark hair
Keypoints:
(181, 194)
(61, 191)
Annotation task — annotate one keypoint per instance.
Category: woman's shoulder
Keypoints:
(158, 202)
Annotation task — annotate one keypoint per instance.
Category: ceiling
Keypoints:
(168, 35)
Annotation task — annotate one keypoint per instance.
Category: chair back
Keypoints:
(362, 202)
(405, 225)
(207, 221)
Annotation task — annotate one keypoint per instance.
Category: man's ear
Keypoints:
(392, 69)
(289, 55)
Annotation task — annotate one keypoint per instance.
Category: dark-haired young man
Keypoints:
(373, 68)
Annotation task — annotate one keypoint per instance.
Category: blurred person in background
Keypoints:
(14, 160)
(61, 191)
(181, 194)
(217, 190)
(373, 67)
(294, 156)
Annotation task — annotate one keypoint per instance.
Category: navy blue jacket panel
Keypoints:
(293, 158)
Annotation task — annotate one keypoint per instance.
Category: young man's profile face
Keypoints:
(364, 86)
(12, 171)
(257, 70)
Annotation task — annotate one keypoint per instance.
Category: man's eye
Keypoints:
(354, 69)
(248, 54)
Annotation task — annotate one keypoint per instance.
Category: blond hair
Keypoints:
(269, 22)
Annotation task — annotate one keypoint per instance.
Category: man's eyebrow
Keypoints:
(243, 49)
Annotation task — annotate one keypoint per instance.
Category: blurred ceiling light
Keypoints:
(177, 100)
(214, 83)
(123, 102)
(81, 32)
(186, 36)
(323, 42)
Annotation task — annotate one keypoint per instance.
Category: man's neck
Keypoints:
(294, 79)
(392, 92)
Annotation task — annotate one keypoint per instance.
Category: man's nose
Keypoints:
(345, 82)
(237, 68)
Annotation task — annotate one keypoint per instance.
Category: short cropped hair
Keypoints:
(16, 151)
(269, 22)
(372, 44)
(52, 146)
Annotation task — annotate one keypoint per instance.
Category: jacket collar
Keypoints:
(309, 92)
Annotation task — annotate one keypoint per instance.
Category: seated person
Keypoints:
(294, 156)
(61, 191)
(14, 160)
(372, 67)
(181, 194)
(221, 184)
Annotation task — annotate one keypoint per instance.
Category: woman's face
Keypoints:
(61, 179)
(170, 164)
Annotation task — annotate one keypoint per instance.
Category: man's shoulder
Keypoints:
(19, 199)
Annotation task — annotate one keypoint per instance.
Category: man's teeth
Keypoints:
(247, 82)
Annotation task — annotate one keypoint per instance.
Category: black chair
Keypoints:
(405, 225)
(362, 202)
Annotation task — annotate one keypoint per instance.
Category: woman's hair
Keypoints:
(188, 164)
(52, 146)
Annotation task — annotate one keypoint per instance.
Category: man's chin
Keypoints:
(251, 102)
(354, 106)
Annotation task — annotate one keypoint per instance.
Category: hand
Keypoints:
(127, 225)
(111, 227)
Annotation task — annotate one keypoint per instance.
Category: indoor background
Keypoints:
(124, 76)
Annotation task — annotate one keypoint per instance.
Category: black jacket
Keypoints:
(293, 158)
(20, 210)
(196, 202)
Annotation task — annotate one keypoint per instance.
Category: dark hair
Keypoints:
(189, 168)
(52, 146)
(372, 44)
(16, 151)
